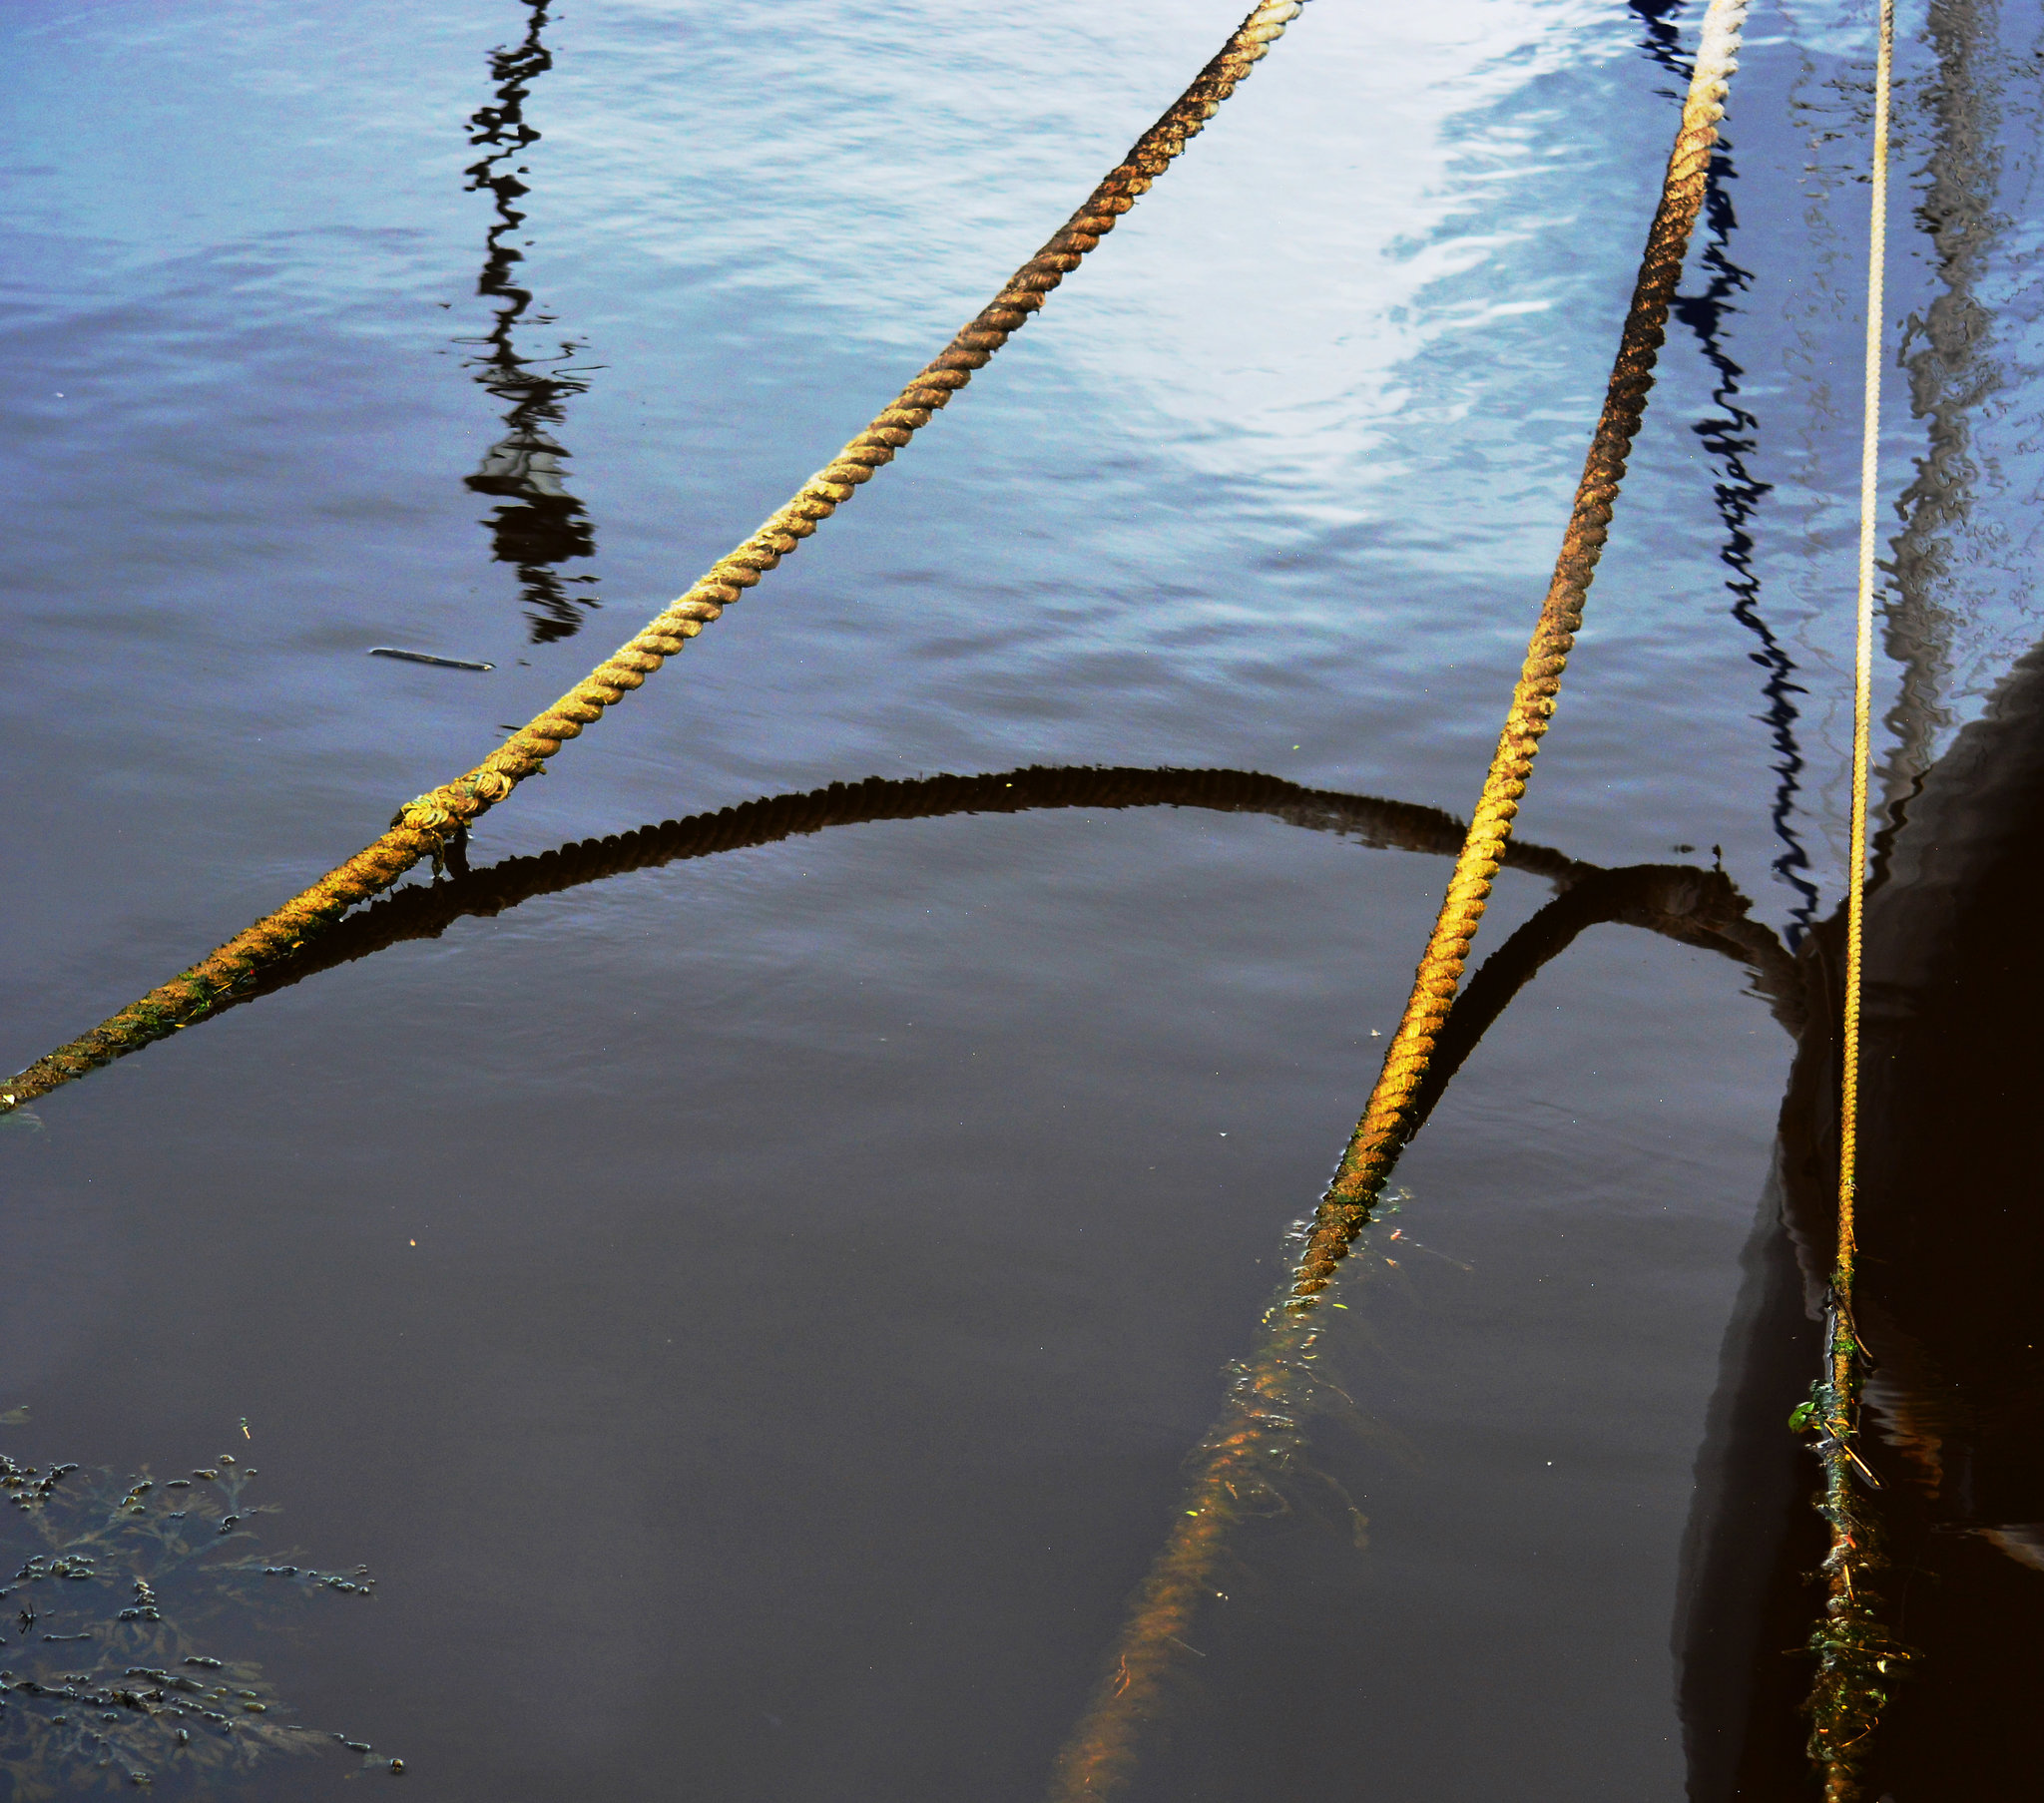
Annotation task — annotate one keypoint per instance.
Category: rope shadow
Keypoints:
(1679, 901)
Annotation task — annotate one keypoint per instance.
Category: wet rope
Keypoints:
(1855, 1652)
(1257, 1429)
(427, 826)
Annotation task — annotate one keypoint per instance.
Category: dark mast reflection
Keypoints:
(1730, 437)
(1947, 349)
(541, 524)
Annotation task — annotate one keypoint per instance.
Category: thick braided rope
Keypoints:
(424, 826)
(1257, 1429)
(1855, 1651)
(1385, 1124)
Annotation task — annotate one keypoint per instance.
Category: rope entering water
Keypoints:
(1855, 1651)
(1385, 1123)
(428, 824)
(1269, 1391)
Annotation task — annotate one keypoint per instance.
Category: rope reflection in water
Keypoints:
(1267, 1385)
(431, 824)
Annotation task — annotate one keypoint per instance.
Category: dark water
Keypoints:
(749, 1312)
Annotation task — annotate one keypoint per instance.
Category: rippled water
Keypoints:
(750, 1312)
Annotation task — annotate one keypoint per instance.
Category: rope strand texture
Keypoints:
(1385, 1124)
(1855, 1651)
(1258, 1431)
(425, 826)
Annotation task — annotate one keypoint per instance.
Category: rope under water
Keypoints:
(426, 825)
(1855, 1651)
(1257, 1428)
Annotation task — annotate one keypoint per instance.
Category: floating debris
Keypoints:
(152, 1705)
(385, 651)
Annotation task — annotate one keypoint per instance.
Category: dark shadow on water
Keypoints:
(1951, 1263)
(1731, 435)
(1952, 1252)
(1661, 42)
(541, 524)
(1694, 906)
(425, 910)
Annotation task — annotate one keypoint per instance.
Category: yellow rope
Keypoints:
(424, 826)
(1384, 1128)
(1855, 1652)
(1257, 1427)
(1862, 676)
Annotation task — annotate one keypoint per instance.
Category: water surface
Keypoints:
(749, 1313)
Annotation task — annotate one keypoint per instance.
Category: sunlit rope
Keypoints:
(426, 825)
(1855, 1651)
(1257, 1429)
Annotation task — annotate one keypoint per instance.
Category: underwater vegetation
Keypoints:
(115, 1625)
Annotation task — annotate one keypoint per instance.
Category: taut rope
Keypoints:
(1855, 1651)
(1381, 1133)
(1258, 1422)
(425, 826)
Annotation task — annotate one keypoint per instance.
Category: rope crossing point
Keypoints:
(427, 826)
(1258, 1432)
(1855, 1652)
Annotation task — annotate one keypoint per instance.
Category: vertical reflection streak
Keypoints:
(1943, 353)
(1729, 437)
(542, 525)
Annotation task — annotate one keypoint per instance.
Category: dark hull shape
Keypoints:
(1951, 1304)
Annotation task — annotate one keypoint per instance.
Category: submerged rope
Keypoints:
(428, 824)
(1855, 1651)
(1257, 1428)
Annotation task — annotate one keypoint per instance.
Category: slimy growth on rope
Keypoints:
(1854, 1650)
(1257, 1428)
(427, 826)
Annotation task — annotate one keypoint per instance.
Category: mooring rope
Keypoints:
(1855, 1651)
(1257, 1428)
(1382, 1130)
(426, 825)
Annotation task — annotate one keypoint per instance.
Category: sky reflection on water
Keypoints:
(753, 1335)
